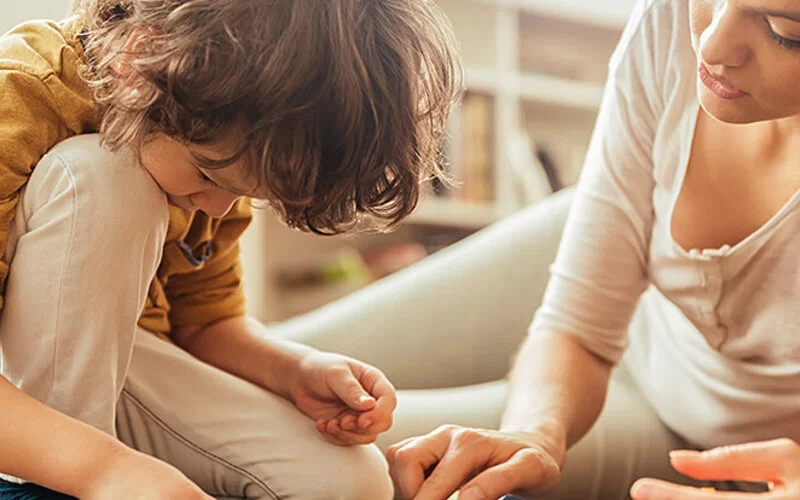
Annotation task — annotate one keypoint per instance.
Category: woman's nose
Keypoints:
(724, 42)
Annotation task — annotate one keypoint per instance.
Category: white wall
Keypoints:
(13, 12)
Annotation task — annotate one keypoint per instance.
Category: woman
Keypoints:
(685, 232)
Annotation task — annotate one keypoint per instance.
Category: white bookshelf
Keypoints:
(610, 14)
(537, 87)
(494, 36)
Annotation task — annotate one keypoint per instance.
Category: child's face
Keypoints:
(174, 168)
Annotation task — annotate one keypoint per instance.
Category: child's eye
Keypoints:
(206, 179)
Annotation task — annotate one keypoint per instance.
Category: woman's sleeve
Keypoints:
(601, 268)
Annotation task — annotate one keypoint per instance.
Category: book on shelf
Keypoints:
(470, 150)
(532, 179)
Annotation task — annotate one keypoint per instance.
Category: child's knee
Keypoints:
(107, 193)
(337, 473)
(366, 476)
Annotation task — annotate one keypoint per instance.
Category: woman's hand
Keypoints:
(775, 462)
(351, 401)
(482, 463)
(130, 475)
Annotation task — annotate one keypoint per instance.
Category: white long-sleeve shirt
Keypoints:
(712, 335)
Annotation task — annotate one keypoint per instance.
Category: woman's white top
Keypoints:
(712, 335)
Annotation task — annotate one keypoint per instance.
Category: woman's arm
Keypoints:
(561, 376)
(561, 392)
(46, 447)
(53, 450)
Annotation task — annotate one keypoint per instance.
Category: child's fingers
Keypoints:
(333, 426)
(376, 420)
(333, 432)
(351, 392)
(380, 388)
(365, 420)
(355, 438)
(322, 428)
(349, 422)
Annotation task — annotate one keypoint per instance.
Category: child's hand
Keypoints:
(351, 402)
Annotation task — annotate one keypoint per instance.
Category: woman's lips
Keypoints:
(718, 85)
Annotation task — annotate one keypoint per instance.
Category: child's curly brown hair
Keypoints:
(341, 105)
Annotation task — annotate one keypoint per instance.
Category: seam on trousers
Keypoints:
(68, 252)
(219, 460)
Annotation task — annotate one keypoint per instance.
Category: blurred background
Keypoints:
(535, 71)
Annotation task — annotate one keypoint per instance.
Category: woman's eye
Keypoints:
(789, 43)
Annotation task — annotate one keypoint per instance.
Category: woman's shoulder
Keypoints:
(655, 56)
(657, 31)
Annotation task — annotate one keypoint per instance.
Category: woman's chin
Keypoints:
(734, 111)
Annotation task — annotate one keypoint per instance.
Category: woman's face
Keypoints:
(748, 55)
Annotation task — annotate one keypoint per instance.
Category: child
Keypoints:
(123, 303)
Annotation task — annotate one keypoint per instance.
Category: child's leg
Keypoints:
(234, 439)
(85, 242)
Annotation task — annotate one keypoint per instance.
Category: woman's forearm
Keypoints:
(556, 383)
(45, 447)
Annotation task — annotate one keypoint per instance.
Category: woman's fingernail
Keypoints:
(365, 399)
(641, 490)
(683, 454)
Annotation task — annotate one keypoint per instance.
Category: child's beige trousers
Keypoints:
(86, 241)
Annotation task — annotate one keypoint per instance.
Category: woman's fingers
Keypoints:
(454, 469)
(652, 489)
(411, 459)
(528, 470)
(489, 464)
(762, 461)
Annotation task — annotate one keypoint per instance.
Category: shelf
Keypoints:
(451, 213)
(537, 87)
(560, 91)
(609, 14)
(482, 79)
